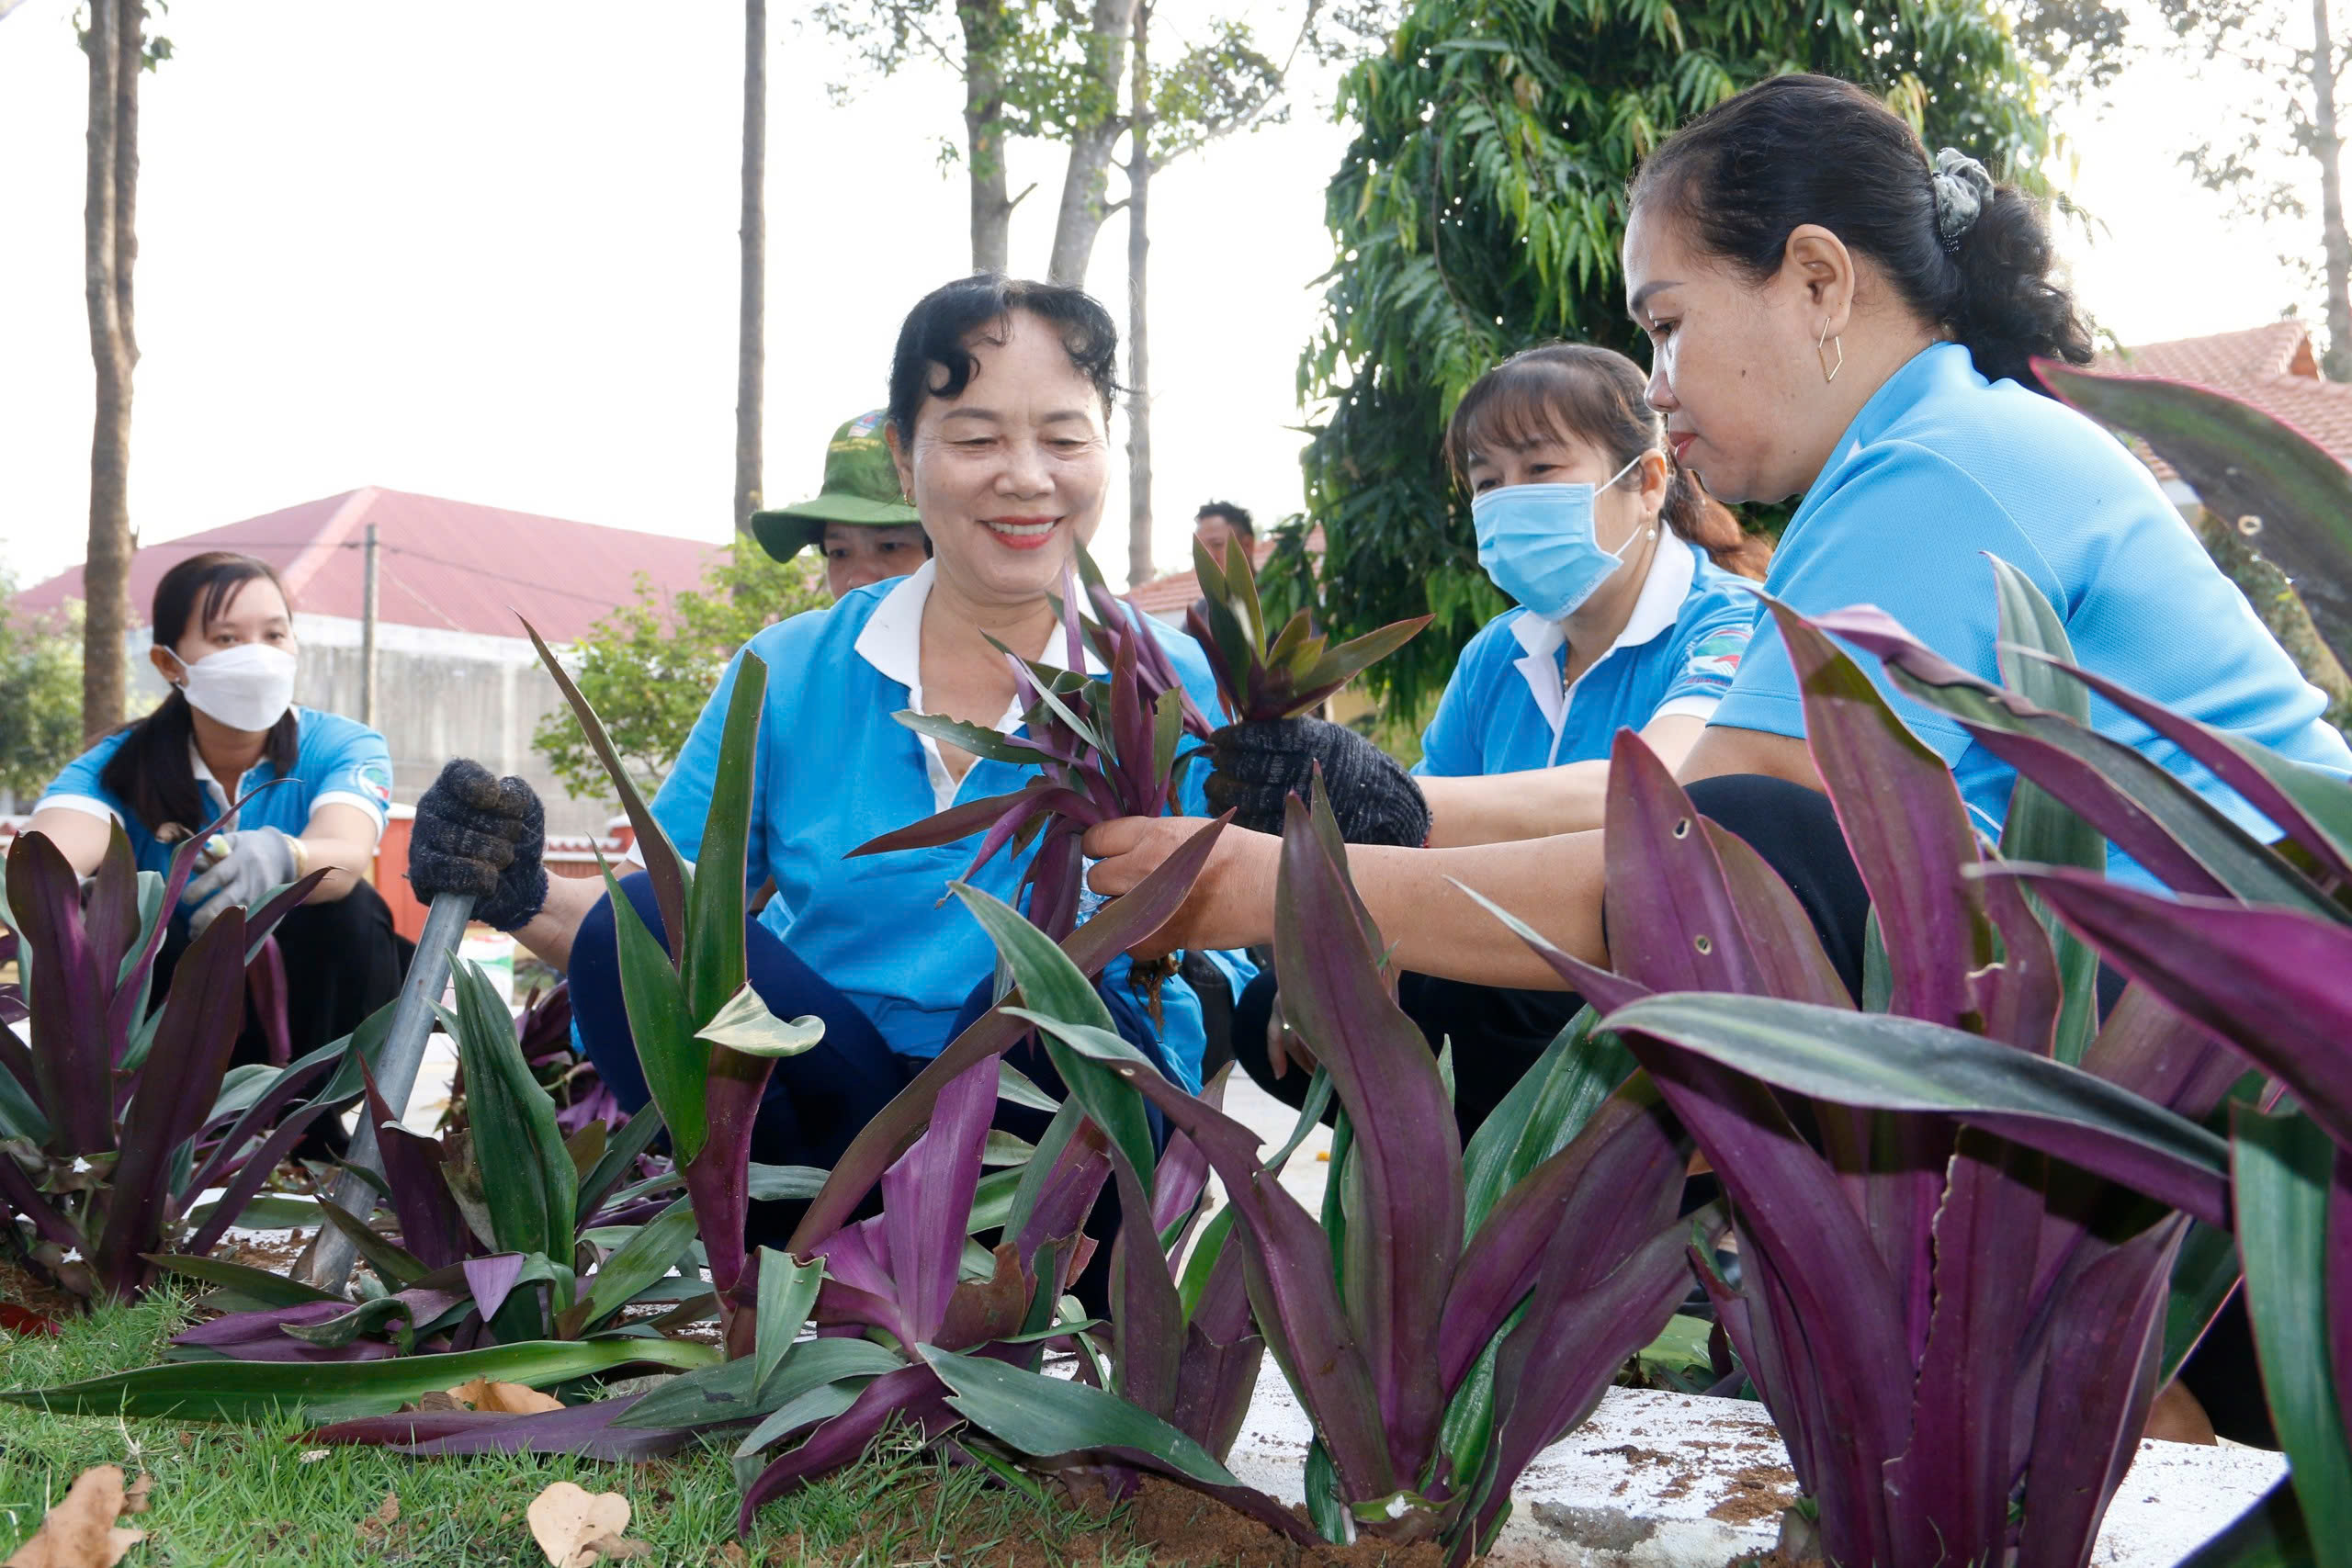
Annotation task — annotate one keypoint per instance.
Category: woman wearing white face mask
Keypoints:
(224, 641)
(1630, 615)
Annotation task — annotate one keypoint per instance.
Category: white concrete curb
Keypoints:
(1674, 1480)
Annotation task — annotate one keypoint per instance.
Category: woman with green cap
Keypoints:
(860, 519)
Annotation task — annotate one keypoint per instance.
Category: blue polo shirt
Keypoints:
(1941, 468)
(835, 769)
(337, 762)
(1510, 707)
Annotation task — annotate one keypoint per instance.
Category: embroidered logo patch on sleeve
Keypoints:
(376, 779)
(1717, 657)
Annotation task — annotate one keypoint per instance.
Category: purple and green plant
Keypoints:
(1282, 676)
(1946, 1394)
(1104, 747)
(706, 1042)
(2254, 944)
(1449, 1319)
(119, 1116)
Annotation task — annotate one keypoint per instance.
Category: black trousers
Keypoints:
(342, 962)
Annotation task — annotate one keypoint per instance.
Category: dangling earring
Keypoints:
(1820, 350)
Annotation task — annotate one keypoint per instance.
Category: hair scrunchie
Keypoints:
(1963, 186)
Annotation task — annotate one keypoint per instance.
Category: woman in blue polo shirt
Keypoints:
(225, 642)
(1000, 395)
(1834, 314)
(1625, 619)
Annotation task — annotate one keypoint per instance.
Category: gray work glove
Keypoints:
(482, 836)
(258, 861)
(1258, 765)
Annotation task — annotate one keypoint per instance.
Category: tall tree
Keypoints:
(751, 346)
(2295, 50)
(1139, 127)
(1081, 104)
(982, 25)
(1480, 208)
(115, 43)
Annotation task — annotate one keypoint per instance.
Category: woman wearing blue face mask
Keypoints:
(1630, 615)
(320, 785)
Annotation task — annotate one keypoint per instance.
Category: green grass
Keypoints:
(245, 1496)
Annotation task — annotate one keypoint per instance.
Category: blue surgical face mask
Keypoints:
(1536, 542)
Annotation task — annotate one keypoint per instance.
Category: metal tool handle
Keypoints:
(326, 1262)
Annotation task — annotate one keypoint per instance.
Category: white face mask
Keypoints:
(247, 687)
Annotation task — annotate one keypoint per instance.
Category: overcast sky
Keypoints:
(485, 249)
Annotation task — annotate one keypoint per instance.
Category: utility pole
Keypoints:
(367, 632)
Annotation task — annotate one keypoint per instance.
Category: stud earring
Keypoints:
(1820, 349)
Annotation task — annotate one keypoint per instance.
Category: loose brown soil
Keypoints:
(33, 1300)
(1179, 1528)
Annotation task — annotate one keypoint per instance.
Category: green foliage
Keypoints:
(649, 666)
(1480, 212)
(40, 695)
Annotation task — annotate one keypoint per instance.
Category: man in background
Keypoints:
(1221, 522)
(866, 529)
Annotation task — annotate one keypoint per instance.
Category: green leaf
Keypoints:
(2284, 1164)
(711, 967)
(977, 738)
(715, 1396)
(1014, 1086)
(1546, 1108)
(1058, 992)
(644, 1258)
(744, 1023)
(263, 1287)
(261, 1391)
(1042, 1415)
(2203, 1275)
(819, 1404)
(786, 1184)
(618, 1161)
(529, 1180)
(2038, 829)
(787, 1289)
(677, 1065)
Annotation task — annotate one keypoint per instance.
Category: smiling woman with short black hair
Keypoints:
(1000, 395)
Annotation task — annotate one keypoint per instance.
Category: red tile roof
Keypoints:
(1168, 596)
(2273, 368)
(448, 565)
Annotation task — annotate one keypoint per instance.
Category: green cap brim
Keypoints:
(788, 530)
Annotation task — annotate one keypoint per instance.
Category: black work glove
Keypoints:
(1258, 766)
(481, 835)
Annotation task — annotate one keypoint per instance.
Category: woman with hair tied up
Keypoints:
(1837, 315)
(1631, 614)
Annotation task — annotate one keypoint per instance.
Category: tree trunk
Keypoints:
(1138, 319)
(1086, 184)
(115, 43)
(2328, 146)
(751, 349)
(983, 24)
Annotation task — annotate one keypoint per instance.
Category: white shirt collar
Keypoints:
(1673, 566)
(892, 643)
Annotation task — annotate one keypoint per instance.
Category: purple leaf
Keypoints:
(1123, 923)
(177, 1085)
(264, 1326)
(2276, 983)
(1068, 1193)
(1952, 1486)
(2105, 1334)
(586, 1432)
(959, 821)
(2146, 1046)
(266, 993)
(982, 1312)
(432, 1227)
(243, 1177)
(1402, 1249)
(911, 1393)
(1600, 1199)
(1149, 1327)
(715, 1177)
(2229, 759)
(927, 1198)
(492, 1279)
(72, 1057)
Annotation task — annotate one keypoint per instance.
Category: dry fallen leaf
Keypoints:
(378, 1525)
(508, 1398)
(80, 1533)
(732, 1555)
(313, 1456)
(569, 1523)
(617, 1547)
(134, 1496)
